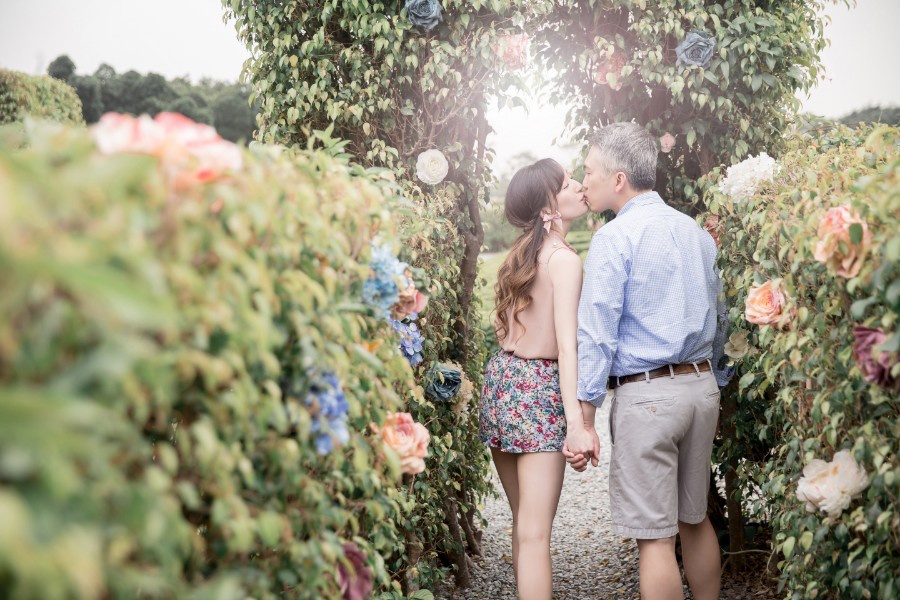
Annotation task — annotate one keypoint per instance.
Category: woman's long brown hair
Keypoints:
(530, 191)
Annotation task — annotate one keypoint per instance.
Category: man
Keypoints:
(647, 322)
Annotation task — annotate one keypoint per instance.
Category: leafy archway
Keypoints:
(382, 82)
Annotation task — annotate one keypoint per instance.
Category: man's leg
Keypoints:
(660, 577)
(702, 559)
(700, 548)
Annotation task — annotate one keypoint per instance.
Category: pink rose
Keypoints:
(612, 65)
(667, 142)
(115, 133)
(513, 50)
(835, 248)
(355, 585)
(875, 366)
(714, 228)
(408, 439)
(188, 152)
(411, 301)
(765, 305)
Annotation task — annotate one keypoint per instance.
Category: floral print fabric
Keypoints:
(521, 405)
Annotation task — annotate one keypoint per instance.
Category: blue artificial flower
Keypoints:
(410, 341)
(424, 13)
(381, 290)
(329, 423)
(443, 383)
(696, 49)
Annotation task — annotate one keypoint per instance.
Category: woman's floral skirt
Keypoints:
(521, 405)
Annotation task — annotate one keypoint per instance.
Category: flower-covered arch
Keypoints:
(402, 88)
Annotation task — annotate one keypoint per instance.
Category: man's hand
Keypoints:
(578, 455)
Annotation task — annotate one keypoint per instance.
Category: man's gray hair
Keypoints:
(629, 148)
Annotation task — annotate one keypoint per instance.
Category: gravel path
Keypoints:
(589, 561)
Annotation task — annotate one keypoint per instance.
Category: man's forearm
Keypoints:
(588, 412)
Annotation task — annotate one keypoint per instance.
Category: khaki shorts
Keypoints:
(662, 435)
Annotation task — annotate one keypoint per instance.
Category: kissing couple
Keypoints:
(640, 325)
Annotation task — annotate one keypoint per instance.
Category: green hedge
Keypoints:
(157, 350)
(801, 391)
(42, 97)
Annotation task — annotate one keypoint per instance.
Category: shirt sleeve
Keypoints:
(721, 370)
(599, 313)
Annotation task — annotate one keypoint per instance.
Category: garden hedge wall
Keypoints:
(810, 254)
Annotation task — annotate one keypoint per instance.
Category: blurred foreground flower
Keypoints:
(188, 152)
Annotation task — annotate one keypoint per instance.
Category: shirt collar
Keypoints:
(644, 199)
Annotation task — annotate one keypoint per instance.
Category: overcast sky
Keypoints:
(189, 37)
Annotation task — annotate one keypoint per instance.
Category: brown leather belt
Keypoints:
(667, 371)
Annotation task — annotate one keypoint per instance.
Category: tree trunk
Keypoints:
(474, 238)
(458, 553)
(732, 489)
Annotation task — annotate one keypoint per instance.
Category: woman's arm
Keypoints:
(565, 277)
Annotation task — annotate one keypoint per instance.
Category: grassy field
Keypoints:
(490, 264)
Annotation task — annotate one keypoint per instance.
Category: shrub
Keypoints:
(827, 231)
(174, 363)
(40, 97)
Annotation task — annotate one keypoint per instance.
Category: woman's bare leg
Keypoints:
(506, 468)
(540, 478)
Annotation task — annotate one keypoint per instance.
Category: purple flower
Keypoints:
(875, 366)
(355, 585)
(410, 341)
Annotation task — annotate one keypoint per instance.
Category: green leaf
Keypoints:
(858, 308)
(806, 540)
(856, 233)
(788, 547)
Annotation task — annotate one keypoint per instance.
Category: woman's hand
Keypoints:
(582, 443)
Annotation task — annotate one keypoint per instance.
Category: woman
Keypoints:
(529, 408)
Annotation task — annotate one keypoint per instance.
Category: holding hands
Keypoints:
(582, 445)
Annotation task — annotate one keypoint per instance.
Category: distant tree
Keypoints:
(152, 94)
(233, 116)
(104, 72)
(61, 68)
(187, 106)
(889, 115)
(89, 91)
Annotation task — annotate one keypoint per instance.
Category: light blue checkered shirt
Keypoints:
(650, 297)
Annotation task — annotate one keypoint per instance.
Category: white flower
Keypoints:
(667, 142)
(743, 179)
(432, 167)
(737, 346)
(831, 486)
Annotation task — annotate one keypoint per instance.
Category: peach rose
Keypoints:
(188, 152)
(835, 249)
(612, 65)
(408, 439)
(667, 142)
(411, 301)
(714, 228)
(766, 305)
